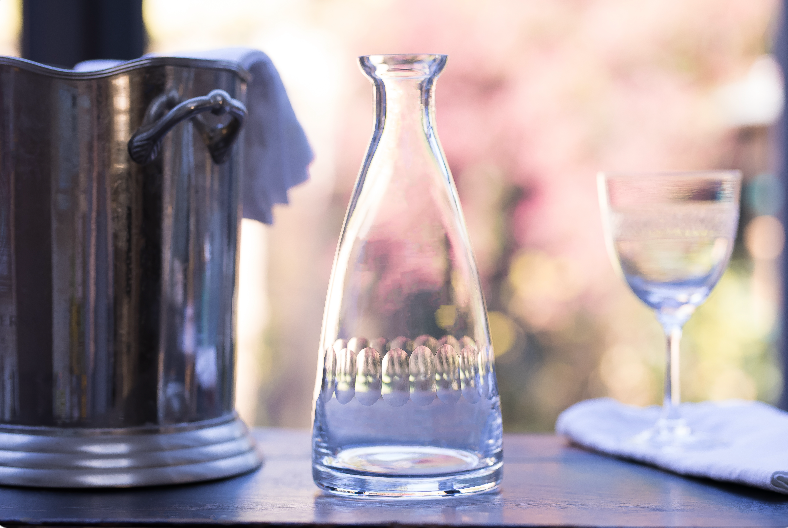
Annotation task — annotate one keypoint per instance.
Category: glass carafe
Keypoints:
(406, 402)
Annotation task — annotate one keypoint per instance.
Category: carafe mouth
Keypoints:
(402, 66)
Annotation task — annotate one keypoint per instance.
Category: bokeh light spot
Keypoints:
(503, 332)
(446, 315)
(764, 237)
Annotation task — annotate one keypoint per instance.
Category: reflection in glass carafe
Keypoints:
(406, 402)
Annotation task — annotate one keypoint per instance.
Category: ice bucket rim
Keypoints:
(125, 67)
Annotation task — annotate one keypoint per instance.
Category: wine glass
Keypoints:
(670, 235)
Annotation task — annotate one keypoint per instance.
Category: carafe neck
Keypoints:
(406, 108)
(404, 86)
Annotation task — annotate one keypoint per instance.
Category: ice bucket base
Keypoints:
(58, 457)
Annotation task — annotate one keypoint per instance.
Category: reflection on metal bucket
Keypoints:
(118, 277)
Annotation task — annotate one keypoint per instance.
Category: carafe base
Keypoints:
(406, 472)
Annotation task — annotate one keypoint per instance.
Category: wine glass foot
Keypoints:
(673, 434)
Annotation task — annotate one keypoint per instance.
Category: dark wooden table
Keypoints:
(547, 482)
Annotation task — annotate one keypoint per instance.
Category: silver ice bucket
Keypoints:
(119, 219)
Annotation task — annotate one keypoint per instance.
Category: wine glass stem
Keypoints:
(670, 410)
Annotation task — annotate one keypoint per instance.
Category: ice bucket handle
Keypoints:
(144, 145)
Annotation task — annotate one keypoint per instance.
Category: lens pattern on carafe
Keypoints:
(420, 370)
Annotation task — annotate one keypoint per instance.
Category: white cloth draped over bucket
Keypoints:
(277, 153)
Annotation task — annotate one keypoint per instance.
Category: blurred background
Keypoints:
(537, 97)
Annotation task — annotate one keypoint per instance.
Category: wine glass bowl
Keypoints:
(670, 236)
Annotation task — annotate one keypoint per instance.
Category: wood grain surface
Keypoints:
(547, 482)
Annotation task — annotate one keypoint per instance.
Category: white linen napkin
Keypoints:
(747, 442)
(277, 153)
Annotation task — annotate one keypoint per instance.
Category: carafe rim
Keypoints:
(403, 65)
